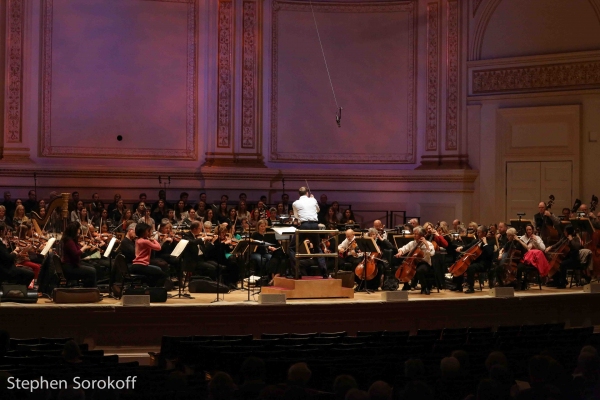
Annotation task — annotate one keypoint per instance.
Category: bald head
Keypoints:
(377, 224)
(302, 191)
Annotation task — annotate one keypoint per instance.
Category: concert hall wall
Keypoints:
(226, 96)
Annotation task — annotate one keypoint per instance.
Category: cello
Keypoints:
(556, 257)
(371, 264)
(466, 258)
(594, 244)
(406, 272)
(509, 263)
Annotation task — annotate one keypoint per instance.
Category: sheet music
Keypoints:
(179, 248)
(284, 230)
(110, 246)
(48, 246)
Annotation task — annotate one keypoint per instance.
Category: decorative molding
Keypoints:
(535, 78)
(476, 4)
(249, 74)
(225, 71)
(14, 91)
(481, 26)
(190, 151)
(452, 81)
(433, 72)
(336, 158)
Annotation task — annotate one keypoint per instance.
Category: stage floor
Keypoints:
(108, 324)
(240, 298)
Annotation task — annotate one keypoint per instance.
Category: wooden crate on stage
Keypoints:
(309, 288)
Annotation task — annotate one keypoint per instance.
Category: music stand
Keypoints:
(176, 254)
(242, 248)
(520, 224)
(584, 225)
(108, 254)
(366, 245)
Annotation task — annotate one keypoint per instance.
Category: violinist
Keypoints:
(381, 236)
(193, 255)
(571, 261)
(8, 270)
(381, 233)
(73, 268)
(423, 266)
(127, 245)
(350, 252)
(143, 250)
(27, 256)
(217, 250)
(483, 263)
(532, 240)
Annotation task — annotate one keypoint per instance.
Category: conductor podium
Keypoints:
(310, 287)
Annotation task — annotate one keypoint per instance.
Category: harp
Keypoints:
(61, 202)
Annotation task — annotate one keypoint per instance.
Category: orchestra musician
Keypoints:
(262, 253)
(513, 243)
(143, 250)
(8, 270)
(483, 263)
(73, 268)
(351, 254)
(545, 218)
(219, 251)
(571, 261)
(532, 240)
(424, 265)
(127, 245)
(439, 258)
(501, 234)
(193, 255)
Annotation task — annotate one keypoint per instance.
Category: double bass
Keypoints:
(548, 233)
(466, 258)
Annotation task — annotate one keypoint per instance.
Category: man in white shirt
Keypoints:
(350, 251)
(424, 265)
(306, 210)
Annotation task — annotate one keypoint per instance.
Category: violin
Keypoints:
(351, 246)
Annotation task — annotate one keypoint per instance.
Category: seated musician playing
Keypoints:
(424, 265)
(349, 251)
(193, 256)
(143, 250)
(571, 261)
(219, 251)
(483, 263)
(262, 254)
(71, 259)
(8, 270)
(532, 240)
(514, 243)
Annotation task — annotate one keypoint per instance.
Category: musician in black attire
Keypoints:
(127, 246)
(571, 261)
(218, 252)
(193, 255)
(8, 270)
(483, 263)
(545, 218)
(514, 243)
(261, 255)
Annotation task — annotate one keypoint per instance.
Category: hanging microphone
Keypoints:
(159, 180)
(338, 117)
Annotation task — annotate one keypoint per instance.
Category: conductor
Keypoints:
(306, 211)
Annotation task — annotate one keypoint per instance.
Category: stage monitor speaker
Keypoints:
(157, 294)
(271, 298)
(76, 295)
(502, 292)
(17, 294)
(206, 286)
(395, 296)
(591, 288)
(131, 300)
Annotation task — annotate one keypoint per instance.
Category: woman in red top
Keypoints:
(71, 260)
(143, 251)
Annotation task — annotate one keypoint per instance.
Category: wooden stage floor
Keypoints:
(109, 324)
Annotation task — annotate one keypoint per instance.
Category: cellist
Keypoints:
(572, 258)
(514, 243)
(423, 266)
(483, 263)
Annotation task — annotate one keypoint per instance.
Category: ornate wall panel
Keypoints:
(476, 4)
(433, 72)
(14, 87)
(536, 78)
(452, 79)
(103, 78)
(367, 46)
(249, 74)
(225, 71)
